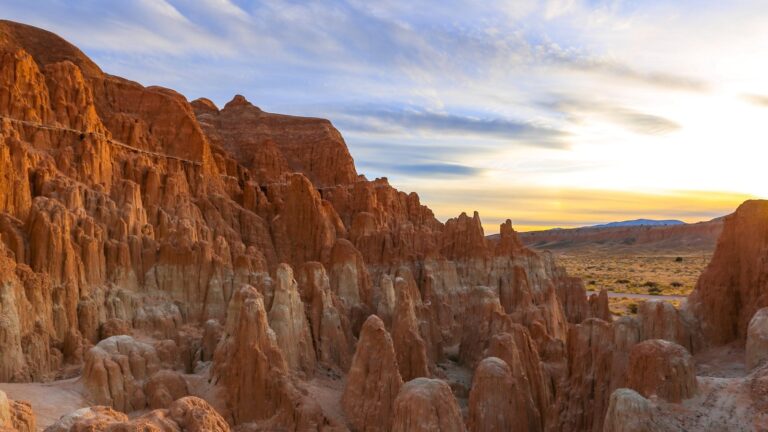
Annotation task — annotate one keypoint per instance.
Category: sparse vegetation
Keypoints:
(637, 274)
(679, 259)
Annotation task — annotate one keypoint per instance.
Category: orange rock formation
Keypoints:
(222, 267)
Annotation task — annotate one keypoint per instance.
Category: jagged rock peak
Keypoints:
(238, 101)
(373, 381)
(204, 105)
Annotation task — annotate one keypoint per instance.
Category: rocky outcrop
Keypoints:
(163, 388)
(464, 238)
(757, 339)
(573, 295)
(96, 418)
(598, 304)
(483, 315)
(253, 374)
(305, 227)
(501, 399)
(409, 345)
(115, 371)
(661, 320)
(271, 144)
(350, 281)
(248, 363)
(288, 321)
(584, 399)
(425, 405)
(662, 368)
(531, 396)
(373, 381)
(16, 416)
(629, 411)
(331, 329)
(189, 414)
(733, 286)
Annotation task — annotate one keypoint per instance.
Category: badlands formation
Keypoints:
(174, 266)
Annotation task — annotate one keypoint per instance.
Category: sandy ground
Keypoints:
(721, 362)
(326, 389)
(49, 400)
(457, 376)
(725, 400)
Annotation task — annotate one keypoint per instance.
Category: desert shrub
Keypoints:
(592, 282)
(654, 290)
(622, 281)
(679, 259)
(676, 284)
(649, 284)
(632, 307)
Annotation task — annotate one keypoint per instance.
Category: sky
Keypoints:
(553, 113)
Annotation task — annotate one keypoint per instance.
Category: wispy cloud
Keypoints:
(380, 120)
(632, 120)
(628, 73)
(433, 169)
(757, 99)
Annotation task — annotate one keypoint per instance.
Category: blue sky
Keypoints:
(552, 113)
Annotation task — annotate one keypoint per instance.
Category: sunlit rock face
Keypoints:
(500, 398)
(733, 286)
(188, 414)
(16, 416)
(272, 144)
(425, 404)
(662, 368)
(373, 381)
(167, 249)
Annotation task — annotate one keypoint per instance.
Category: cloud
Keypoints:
(756, 99)
(392, 120)
(639, 122)
(579, 61)
(134, 27)
(430, 170)
(400, 150)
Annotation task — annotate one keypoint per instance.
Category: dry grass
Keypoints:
(636, 274)
(655, 275)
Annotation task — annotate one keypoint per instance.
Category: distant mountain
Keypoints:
(635, 236)
(640, 222)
